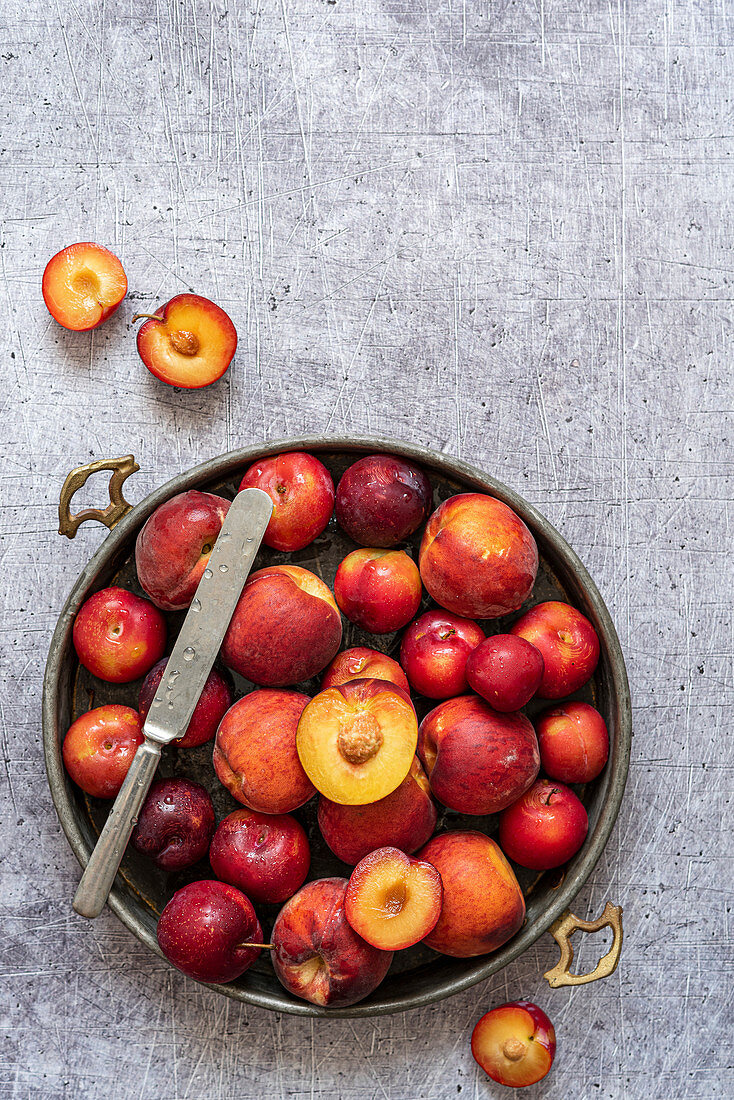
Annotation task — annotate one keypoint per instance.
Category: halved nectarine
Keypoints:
(83, 285)
(188, 342)
(356, 741)
(393, 901)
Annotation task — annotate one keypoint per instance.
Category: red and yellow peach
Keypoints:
(434, 653)
(286, 627)
(172, 550)
(483, 905)
(379, 590)
(478, 761)
(255, 754)
(568, 642)
(302, 493)
(118, 636)
(477, 557)
(403, 819)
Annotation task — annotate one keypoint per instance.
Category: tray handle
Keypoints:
(118, 507)
(564, 928)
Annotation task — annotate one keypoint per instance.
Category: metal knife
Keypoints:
(183, 681)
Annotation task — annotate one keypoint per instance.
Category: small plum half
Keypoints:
(83, 285)
(514, 1044)
(393, 901)
(189, 342)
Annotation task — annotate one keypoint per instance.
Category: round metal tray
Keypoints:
(418, 976)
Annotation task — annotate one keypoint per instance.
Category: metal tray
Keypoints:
(418, 976)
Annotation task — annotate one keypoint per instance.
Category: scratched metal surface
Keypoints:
(502, 230)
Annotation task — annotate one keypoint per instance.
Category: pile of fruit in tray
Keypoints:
(356, 743)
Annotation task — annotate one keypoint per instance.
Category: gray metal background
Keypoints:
(500, 229)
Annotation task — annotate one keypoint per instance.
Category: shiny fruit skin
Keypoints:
(515, 1044)
(545, 827)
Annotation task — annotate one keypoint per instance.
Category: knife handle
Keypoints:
(104, 862)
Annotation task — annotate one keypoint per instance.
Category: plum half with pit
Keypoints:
(514, 1044)
(175, 824)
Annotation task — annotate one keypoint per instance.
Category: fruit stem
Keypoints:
(269, 946)
(148, 316)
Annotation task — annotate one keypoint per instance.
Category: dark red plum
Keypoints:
(204, 929)
(266, 855)
(506, 671)
(175, 824)
(214, 702)
(381, 500)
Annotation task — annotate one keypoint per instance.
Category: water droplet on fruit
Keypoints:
(196, 605)
(189, 653)
(208, 574)
(133, 820)
(223, 568)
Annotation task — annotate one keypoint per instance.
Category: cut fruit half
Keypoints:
(83, 285)
(393, 901)
(188, 342)
(356, 742)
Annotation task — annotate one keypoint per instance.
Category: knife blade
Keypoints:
(182, 683)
